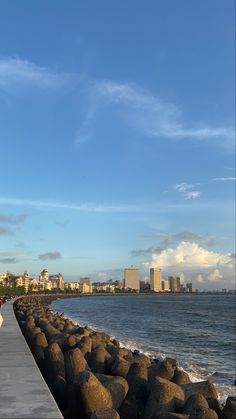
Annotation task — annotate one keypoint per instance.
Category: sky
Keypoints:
(117, 138)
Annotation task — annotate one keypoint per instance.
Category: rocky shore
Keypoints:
(92, 377)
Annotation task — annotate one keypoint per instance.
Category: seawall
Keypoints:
(23, 391)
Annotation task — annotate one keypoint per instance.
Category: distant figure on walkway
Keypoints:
(1, 303)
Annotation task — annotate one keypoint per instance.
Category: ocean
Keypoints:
(197, 330)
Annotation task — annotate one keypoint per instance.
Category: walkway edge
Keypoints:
(23, 391)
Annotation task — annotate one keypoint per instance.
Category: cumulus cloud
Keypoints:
(50, 256)
(200, 279)
(198, 264)
(189, 255)
(185, 190)
(214, 275)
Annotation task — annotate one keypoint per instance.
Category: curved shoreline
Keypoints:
(147, 324)
(73, 359)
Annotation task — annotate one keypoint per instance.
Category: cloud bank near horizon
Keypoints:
(194, 262)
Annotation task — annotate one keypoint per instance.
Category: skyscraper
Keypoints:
(174, 282)
(155, 279)
(132, 279)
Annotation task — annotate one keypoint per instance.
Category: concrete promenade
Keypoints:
(23, 391)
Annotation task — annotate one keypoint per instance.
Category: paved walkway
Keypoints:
(23, 391)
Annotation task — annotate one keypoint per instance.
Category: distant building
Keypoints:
(174, 283)
(118, 284)
(178, 283)
(165, 286)
(57, 281)
(44, 276)
(182, 287)
(26, 281)
(85, 288)
(85, 280)
(132, 279)
(20, 281)
(189, 287)
(72, 286)
(144, 286)
(155, 279)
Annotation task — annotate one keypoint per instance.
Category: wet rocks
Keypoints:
(205, 388)
(180, 377)
(229, 410)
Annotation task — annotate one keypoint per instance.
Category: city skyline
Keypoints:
(117, 139)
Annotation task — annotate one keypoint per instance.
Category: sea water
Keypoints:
(197, 330)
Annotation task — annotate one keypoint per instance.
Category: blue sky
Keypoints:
(117, 138)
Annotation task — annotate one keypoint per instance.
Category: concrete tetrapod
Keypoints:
(75, 363)
(117, 386)
(165, 397)
(91, 394)
(106, 413)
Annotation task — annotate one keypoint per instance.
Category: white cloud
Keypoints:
(15, 71)
(215, 275)
(193, 194)
(183, 187)
(200, 279)
(185, 190)
(153, 116)
(198, 264)
(189, 255)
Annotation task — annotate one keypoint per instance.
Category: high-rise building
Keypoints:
(178, 283)
(174, 282)
(155, 279)
(132, 279)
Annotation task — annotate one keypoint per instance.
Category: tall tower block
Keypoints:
(132, 279)
(155, 279)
